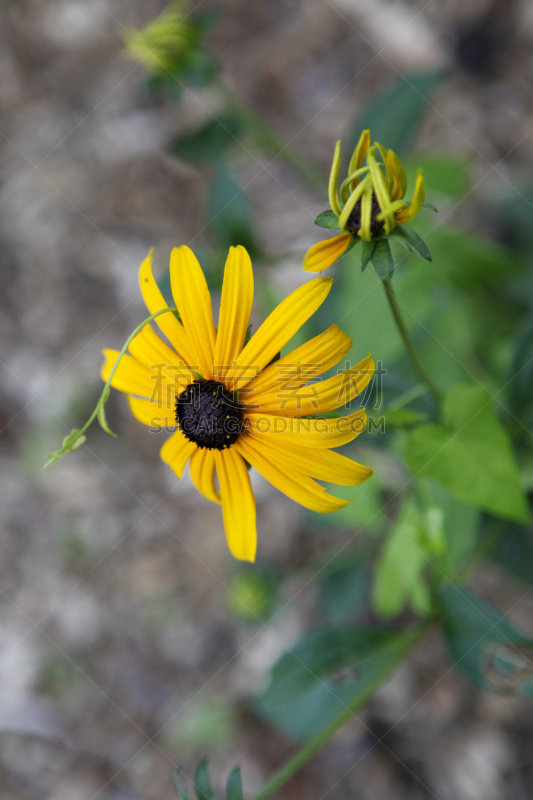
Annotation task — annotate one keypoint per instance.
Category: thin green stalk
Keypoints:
(404, 333)
(313, 746)
(76, 437)
(268, 140)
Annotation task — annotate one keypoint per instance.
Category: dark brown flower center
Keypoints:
(354, 220)
(210, 415)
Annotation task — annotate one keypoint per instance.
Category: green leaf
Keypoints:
(395, 115)
(327, 219)
(431, 207)
(202, 783)
(366, 254)
(483, 644)
(470, 455)
(209, 142)
(100, 413)
(514, 551)
(403, 417)
(234, 790)
(327, 670)
(399, 577)
(412, 240)
(382, 259)
(180, 791)
(229, 213)
(344, 590)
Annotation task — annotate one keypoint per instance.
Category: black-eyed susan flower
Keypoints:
(370, 207)
(236, 402)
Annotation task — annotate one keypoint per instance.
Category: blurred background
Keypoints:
(130, 641)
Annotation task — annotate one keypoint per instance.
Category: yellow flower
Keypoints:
(236, 402)
(169, 45)
(371, 203)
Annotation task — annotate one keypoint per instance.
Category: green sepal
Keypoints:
(352, 243)
(234, 790)
(202, 783)
(328, 219)
(382, 259)
(180, 791)
(431, 207)
(410, 239)
(366, 255)
(196, 375)
(100, 412)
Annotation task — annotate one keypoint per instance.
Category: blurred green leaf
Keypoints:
(399, 579)
(461, 524)
(514, 551)
(209, 142)
(468, 260)
(202, 782)
(521, 379)
(327, 219)
(229, 213)
(344, 590)
(470, 454)
(364, 510)
(234, 790)
(382, 259)
(395, 115)
(444, 173)
(483, 644)
(180, 791)
(327, 670)
(403, 417)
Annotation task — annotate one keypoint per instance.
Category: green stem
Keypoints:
(308, 751)
(404, 333)
(69, 443)
(268, 140)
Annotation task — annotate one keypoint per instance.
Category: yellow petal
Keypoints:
(167, 371)
(238, 504)
(191, 295)
(276, 331)
(309, 432)
(202, 469)
(317, 398)
(322, 464)
(418, 198)
(235, 309)
(302, 364)
(323, 254)
(176, 452)
(399, 178)
(153, 414)
(366, 214)
(130, 376)
(359, 154)
(334, 179)
(381, 190)
(167, 323)
(298, 487)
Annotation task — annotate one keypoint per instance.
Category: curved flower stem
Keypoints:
(404, 333)
(76, 437)
(268, 140)
(308, 751)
